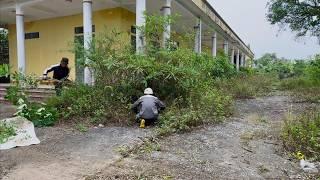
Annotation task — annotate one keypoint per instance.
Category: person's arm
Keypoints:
(161, 105)
(50, 69)
(135, 106)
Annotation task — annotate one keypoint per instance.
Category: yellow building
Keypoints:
(41, 32)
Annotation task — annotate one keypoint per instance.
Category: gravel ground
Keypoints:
(246, 146)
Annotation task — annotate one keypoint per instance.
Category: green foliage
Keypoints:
(248, 85)
(6, 132)
(180, 77)
(40, 114)
(4, 70)
(20, 83)
(25, 81)
(14, 93)
(302, 134)
(100, 103)
(313, 70)
(306, 86)
(205, 107)
(301, 16)
(222, 68)
(270, 63)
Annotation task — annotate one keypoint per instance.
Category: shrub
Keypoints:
(302, 134)
(222, 68)
(210, 107)
(41, 115)
(312, 71)
(14, 93)
(100, 104)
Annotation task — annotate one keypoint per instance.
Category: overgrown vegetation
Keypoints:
(302, 134)
(247, 85)
(40, 114)
(6, 132)
(183, 79)
(301, 77)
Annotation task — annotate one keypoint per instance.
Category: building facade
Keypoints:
(42, 31)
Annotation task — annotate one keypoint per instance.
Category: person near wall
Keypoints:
(60, 74)
(147, 108)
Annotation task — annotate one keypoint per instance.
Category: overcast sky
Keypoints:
(247, 18)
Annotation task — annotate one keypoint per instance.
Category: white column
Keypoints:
(198, 29)
(244, 60)
(214, 44)
(238, 60)
(87, 37)
(232, 56)
(140, 22)
(225, 47)
(167, 31)
(20, 40)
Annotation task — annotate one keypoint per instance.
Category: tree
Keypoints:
(302, 16)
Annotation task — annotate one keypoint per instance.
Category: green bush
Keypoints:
(100, 104)
(209, 107)
(40, 114)
(302, 134)
(222, 68)
(312, 71)
(13, 94)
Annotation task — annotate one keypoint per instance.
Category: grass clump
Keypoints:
(302, 134)
(6, 132)
(248, 85)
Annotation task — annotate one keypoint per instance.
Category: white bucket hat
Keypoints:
(148, 91)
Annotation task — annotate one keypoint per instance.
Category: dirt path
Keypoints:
(246, 146)
(65, 154)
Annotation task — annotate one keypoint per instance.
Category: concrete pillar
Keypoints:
(140, 22)
(87, 37)
(214, 44)
(232, 56)
(21, 55)
(245, 64)
(166, 9)
(238, 60)
(198, 30)
(226, 47)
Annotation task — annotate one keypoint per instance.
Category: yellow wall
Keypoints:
(57, 36)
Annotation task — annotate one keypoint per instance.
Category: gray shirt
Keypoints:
(148, 107)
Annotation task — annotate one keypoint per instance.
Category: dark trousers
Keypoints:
(58, 88)
(59, 85)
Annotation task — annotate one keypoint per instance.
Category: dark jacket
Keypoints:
(59, 72)
(148, 107)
